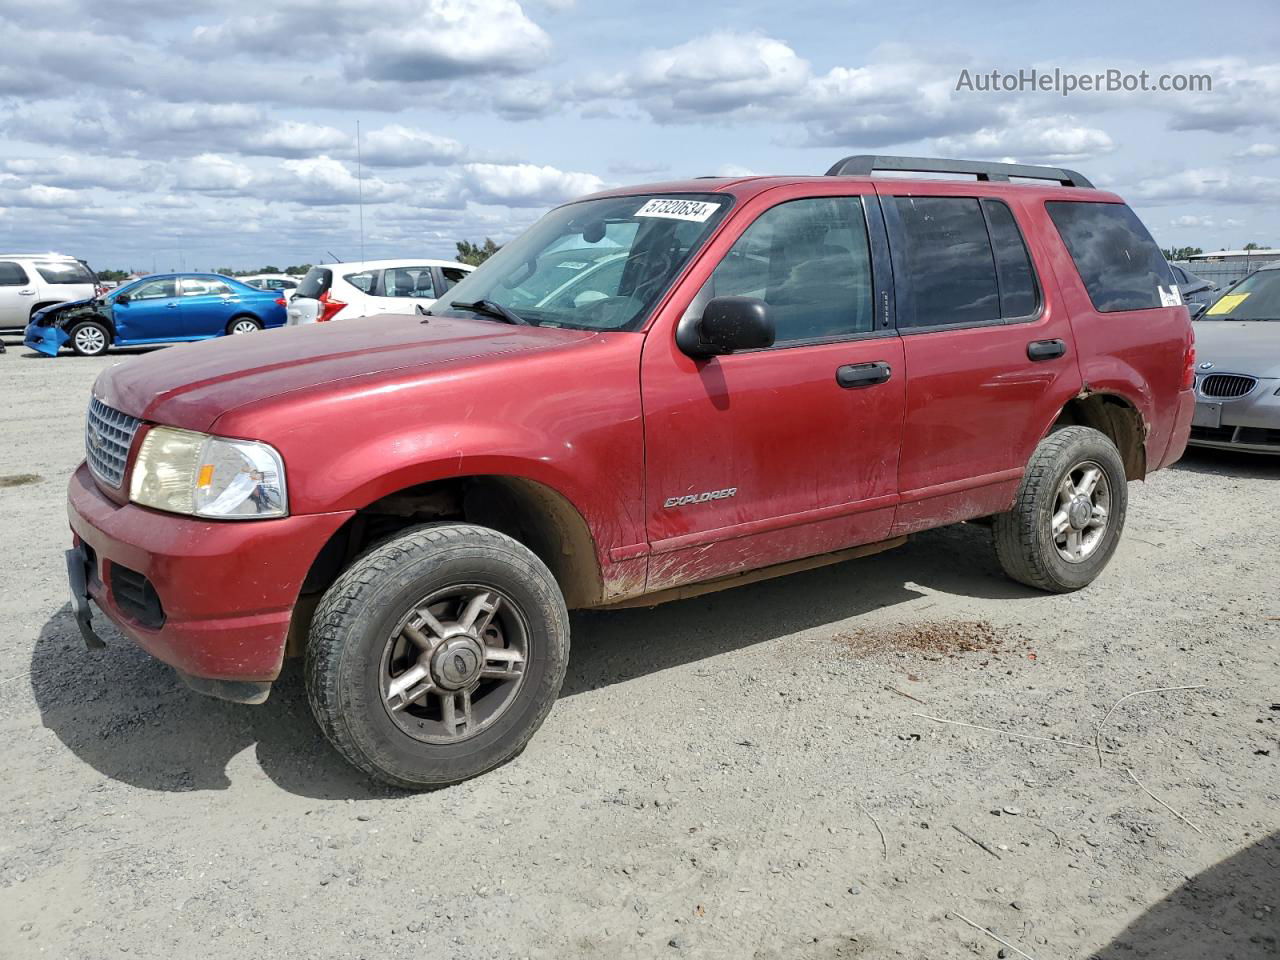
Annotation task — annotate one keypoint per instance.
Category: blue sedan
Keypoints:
(164, 308)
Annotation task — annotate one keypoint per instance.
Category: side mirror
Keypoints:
(727, 324)
(121, 298)
(1198, 309)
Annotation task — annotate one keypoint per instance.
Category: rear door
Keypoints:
(766, 456)
(152, 312)
(402, 290)
(17, 295)
(63, 280)
(208, 304)
(989, 352)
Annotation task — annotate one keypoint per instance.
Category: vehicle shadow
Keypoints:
(129, 717)
(1229, 463)
(1229, 910)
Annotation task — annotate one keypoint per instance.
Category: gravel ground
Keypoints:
(740, 775)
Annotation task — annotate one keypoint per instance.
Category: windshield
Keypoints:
(1256, 297)
(594, 265)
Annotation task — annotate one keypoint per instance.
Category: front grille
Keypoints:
(136, 597)
(1226, 385)
(108, 434)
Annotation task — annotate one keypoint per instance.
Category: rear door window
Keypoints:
(316, 282)
(1121, 266)
(12, 274)
(408, 282)
(204, 287)
(68, 272)
(944, 268)
(1019, 293)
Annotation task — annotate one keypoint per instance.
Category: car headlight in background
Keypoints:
(193, 473)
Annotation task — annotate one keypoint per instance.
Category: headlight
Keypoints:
(193, 473)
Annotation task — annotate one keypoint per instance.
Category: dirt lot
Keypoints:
(744, 775)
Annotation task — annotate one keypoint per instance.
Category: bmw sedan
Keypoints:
(165, 308)
(1238, 369)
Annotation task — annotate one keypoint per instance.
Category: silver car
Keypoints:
(1238, 367)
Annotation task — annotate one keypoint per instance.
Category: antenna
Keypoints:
(360, 188)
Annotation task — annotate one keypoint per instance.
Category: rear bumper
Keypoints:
(1177, 444)
(226, 590)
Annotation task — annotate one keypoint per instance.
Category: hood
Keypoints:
(57, 314)
(1239, 346)
(192, 385)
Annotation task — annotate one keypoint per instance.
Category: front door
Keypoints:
(989, 348)
(771, 455)
(152, 311)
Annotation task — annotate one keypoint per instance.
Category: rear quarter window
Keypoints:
(315, 283)
(1121, 266)
(66, 273)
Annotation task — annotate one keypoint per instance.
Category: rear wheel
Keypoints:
(437, 655)
(1070, 511)
(243, 325)
(89, 338)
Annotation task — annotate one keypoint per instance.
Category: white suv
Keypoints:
(345, 290)
(33, 281)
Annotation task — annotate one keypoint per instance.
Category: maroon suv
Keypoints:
(654, 392)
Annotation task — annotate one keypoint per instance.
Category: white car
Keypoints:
(282, 283)
(347, 290)
(33, 281)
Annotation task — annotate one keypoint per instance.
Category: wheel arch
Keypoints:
(1116, 416)
(529, 511)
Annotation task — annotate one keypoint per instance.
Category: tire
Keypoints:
(89, 338)
(1031, 542)
(362, 643)
(242, 325)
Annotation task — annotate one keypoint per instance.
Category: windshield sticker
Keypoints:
(571, 265)
(676, 209)
(1227, 304)
(1171, 297)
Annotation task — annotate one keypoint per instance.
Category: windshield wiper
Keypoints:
(490, 308)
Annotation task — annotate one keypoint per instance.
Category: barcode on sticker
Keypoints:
(677, 209)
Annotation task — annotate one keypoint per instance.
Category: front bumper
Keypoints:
(224, 590)
(1250, 423)
(43, 339)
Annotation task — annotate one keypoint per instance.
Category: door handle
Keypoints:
(171, 306)
(853, 375)
(28, 292)
(1045, 349)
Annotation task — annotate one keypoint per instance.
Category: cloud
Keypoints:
(450, 38)
(40, 195)
(1190, 220)
(319, 181)
(78, 172)
(1215, 185)
(1258, 151)
(400, 146)
(1035, 139)
(525, 184)
(213, 173)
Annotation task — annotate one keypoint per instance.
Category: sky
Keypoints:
(148, 134)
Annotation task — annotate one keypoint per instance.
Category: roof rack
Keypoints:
(863, 165)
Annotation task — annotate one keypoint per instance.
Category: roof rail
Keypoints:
(864, 165)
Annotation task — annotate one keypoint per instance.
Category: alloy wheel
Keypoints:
(454, 664)
(90, 340)
(1082, 512)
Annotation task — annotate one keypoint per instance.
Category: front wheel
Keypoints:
(89, 338)
(437, 655)
(1070, 510)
